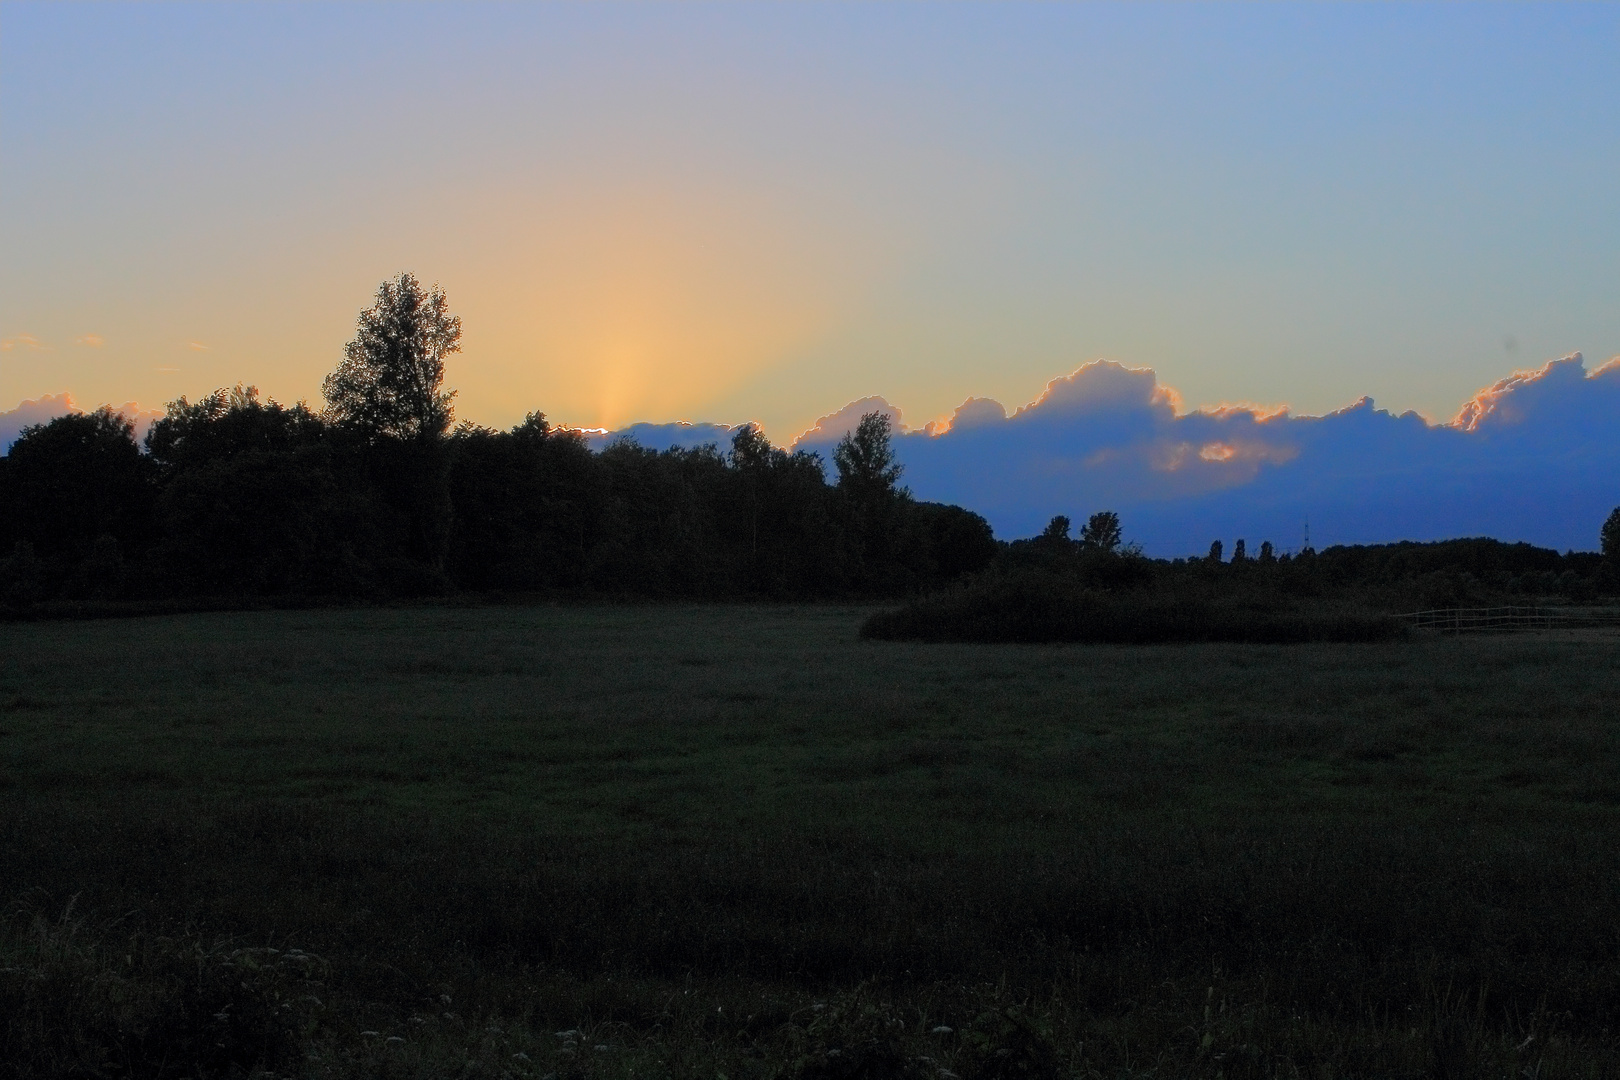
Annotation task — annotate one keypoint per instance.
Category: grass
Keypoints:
(705, 840)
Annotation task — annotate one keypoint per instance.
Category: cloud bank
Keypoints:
(1533, 457)
(44, 409)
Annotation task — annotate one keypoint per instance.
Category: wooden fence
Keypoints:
(1456, 620)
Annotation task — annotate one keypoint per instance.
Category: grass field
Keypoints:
(739, 841)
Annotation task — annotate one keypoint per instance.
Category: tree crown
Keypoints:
(865, 457)
(1101, 531)
(388, 383)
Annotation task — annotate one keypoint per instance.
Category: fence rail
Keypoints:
(1511, 618)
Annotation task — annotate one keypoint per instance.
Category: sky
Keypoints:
(732, 213)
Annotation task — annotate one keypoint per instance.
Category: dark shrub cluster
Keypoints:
(1035, 605)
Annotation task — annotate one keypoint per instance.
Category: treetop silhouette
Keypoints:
(388, 384)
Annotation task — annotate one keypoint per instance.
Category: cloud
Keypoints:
(93, 341)
(34, 411)
(665, 436)
(25, 342)
(196, 346)
(1535, 457)
(834, 426)
(45, 409)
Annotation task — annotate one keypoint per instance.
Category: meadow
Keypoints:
(740, 841)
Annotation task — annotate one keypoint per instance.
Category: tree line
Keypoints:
(379, 494)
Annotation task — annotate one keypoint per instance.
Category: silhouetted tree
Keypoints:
(387, 393)
(1056, 531)
(1610, 536)
(227, 423)
(959, 541)
(1267, 554)
(1239, 552)
(530, 507)
(780, 505)
(752, 455)
(1215, 552)
(865, 458)
(868, 478)
(257, 500)
(1101, 531)
(75, 479)
(388, 384)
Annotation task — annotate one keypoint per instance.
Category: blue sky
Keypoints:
(728, 212)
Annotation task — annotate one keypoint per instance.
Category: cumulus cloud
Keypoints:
(664, 436)
(834, 426)
(34, 411)
(44, 409)
(1535, 457)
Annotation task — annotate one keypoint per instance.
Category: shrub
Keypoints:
(1047, 607)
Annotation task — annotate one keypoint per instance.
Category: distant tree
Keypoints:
(865, 461)
(1239, 552)
(750, 449)
(75, 479)
(1215, 552)
(1056, 531)
(960, 541)
(871, 498)
(388, 383)
(1267, 554)
(530, 506)
(227, 423)
(1101, 531)
(752, 455)
(1611, 535)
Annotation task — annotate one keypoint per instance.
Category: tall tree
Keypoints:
(1101, 531)
(1056, 533)
(1610, 536)
(865, 458)
(389, 382)
(868, 477)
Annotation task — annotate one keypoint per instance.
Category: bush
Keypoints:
(1048, 607)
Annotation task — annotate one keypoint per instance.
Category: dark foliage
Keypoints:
(75, 491)
(1036, 605)
(80, 1001)
(250, 498)
(389, 383)
(1052, 588)
(376, 498)
(1610, 536)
